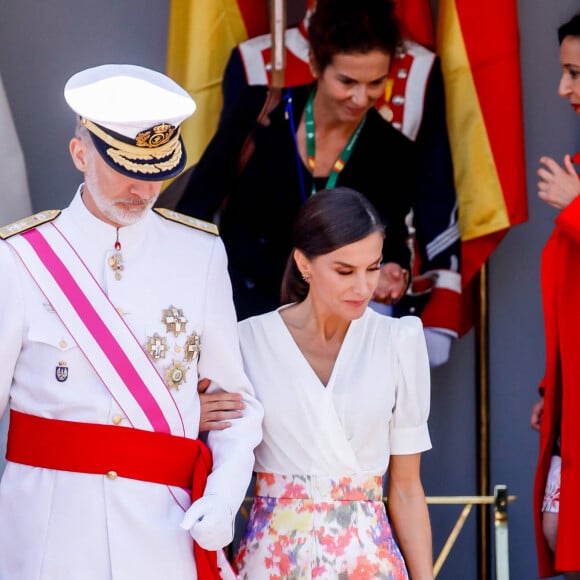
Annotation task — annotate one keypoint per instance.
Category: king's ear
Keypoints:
(79, 153)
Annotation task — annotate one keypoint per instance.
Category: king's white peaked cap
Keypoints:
(127, 98)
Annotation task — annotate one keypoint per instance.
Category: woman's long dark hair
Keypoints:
(328, 220)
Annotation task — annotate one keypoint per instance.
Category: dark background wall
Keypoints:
(43, 43)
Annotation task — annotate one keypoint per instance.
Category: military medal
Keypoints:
(175, 375)
(61, 371)
(116, 260)
(116, 264)
(156, 346)
(174, 320)
(192, 347)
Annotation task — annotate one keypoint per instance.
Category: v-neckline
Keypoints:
(328, 387)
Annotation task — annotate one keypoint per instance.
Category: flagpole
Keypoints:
(482, 410)
(277, 30)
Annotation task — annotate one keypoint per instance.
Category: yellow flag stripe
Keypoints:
(481, 202)
(202, 34)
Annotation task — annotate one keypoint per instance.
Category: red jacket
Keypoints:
(561, 299)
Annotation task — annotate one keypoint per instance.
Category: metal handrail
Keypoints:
(500, 500)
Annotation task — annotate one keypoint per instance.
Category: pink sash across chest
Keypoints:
(98, 329)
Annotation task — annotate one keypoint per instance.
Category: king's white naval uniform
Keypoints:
(91, 527)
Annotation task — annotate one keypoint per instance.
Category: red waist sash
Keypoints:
(102, 449)
(115, 451)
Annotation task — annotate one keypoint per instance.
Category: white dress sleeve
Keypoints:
(408, 430)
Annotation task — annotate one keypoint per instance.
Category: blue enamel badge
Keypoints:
(61, 372)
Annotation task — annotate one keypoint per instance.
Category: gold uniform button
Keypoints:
(112, 475)
(117, 419)
(63, 344)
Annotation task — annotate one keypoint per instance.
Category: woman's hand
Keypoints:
(217, 408)
(393, 283)
(537, 412)
(558, 186)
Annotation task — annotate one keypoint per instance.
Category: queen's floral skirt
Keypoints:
(303, 527)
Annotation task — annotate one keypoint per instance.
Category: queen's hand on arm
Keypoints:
(217, 409)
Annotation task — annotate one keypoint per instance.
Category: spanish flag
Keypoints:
(202, 34)
(484, 117)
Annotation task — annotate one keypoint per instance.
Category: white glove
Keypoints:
(210, 522)
(438, 346)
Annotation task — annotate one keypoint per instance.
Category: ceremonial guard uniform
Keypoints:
(414, 104)
(105, 332)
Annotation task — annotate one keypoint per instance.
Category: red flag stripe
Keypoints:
(255, 16)
(495, 67)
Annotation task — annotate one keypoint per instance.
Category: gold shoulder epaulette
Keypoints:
(187, 220)
(28, 223)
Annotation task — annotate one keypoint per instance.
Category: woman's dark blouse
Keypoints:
(259, 205)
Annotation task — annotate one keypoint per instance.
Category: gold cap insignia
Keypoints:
(156, 136)
(154, 151)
